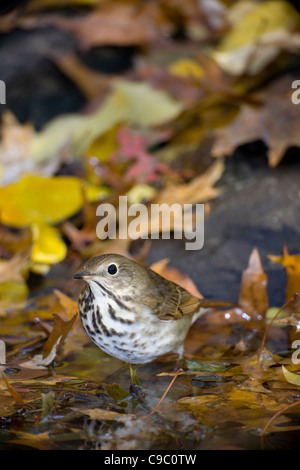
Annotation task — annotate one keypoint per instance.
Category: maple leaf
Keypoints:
(275, 122)
(292, 266)
(145, 169)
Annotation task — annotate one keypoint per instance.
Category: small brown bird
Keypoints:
(133, 313)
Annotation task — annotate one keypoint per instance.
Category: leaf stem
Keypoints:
(288, 302)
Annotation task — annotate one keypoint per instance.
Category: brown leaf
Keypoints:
(198, 190)
(104, 415)
(119, 23)
(16, 395)
(12, 269)
(40, 441)
(56, 338)
(253, 296)
(92, 84)
(276, 121)
(70, 305)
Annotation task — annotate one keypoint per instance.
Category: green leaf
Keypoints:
(203, 367)
(48, 402)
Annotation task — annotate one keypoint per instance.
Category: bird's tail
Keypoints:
(208, 304)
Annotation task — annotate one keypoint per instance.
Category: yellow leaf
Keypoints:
(291, 377)
(255, 39)
(35, 198)
(94, 192)
(292, 266)
(13, 291)
(144, 106)
(48, 247)
(186, 68)
(135, 103)
(103, 145)
(140, 193)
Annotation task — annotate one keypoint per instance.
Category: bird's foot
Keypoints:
(180, 364)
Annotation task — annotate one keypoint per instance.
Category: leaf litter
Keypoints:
(238, 385)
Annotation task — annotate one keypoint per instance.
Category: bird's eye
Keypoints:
(112, 269)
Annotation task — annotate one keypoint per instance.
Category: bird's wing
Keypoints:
(172, 302)
(176, 303)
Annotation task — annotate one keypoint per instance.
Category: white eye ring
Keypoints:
(112, 269)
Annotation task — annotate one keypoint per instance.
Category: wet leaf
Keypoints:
(39, 441)
(47, 403)
(56, 338)
(253, 293)
(16, 395)
(117, 392)
(203, 367)
(291, 377)
(105, 415)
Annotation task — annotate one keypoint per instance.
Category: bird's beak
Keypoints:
(82, 275)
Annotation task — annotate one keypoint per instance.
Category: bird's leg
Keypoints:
(180, 364)
(180, 361)
(135, 387)
(134, 377)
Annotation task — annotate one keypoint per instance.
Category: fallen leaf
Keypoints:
(186, 68)
(292, 266)
(91, 83)
(69, 305)
(16, 395)
(126, 103)
(56, 338)
(253, 297)
(145, 167)
(16, 268)
(59, 197)
(200, 189)
(255, 40)
(291, 377)
(16, 155)
(47, 403)
(48, 246)
(39, 441)
(104, 415)
(258, 123)
(120, 23)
